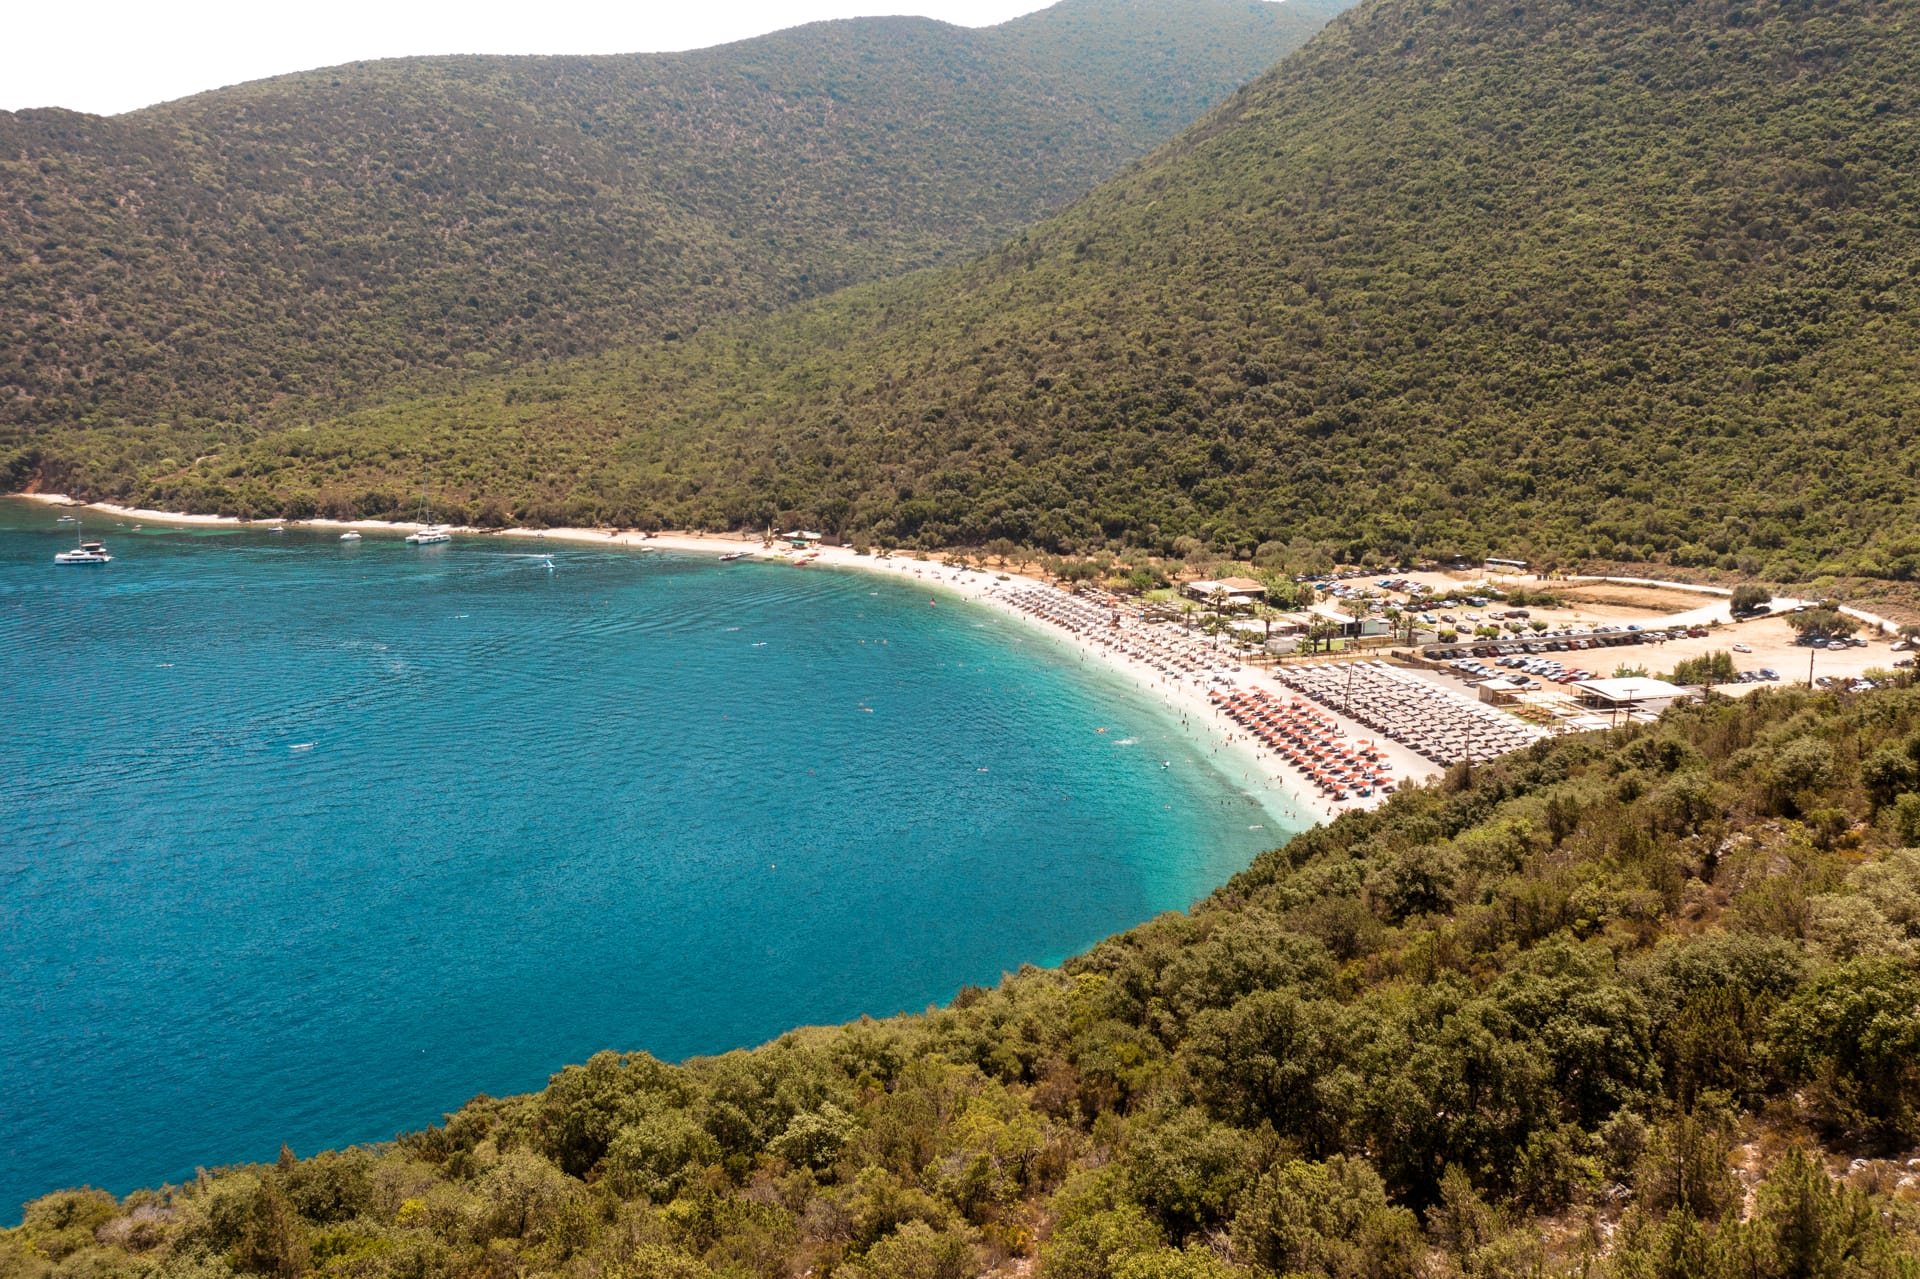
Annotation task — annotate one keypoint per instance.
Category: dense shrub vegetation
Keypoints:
(1610, 1006)
(297, 241)
(1575, 278)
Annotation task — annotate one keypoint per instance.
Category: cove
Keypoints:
(309, 842)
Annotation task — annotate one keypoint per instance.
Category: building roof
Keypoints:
(1231, 585)
(1635, 688)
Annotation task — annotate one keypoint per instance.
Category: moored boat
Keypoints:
(428, 534)
(83, 552)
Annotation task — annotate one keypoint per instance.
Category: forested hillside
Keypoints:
(1619, 1005)
(303, 239)
(1634, 280)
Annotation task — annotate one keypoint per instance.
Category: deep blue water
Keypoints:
(310, 843)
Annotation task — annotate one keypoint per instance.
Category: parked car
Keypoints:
(1741, 648)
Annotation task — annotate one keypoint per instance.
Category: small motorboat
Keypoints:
(349, 536)
(731, 556)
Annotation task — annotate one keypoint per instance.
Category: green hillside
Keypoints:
(1572, 278)
(1615, 1006)
(303, 239)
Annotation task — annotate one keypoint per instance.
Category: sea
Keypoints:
(309, 842)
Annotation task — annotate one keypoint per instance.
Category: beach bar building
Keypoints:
(1628, 693)
(1239, 592)
(802, 539)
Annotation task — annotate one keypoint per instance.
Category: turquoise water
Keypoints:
(310, 842)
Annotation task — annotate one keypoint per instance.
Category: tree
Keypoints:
(1823, 623)
(1805, 1226)
(1356, 608)
(1748, 597)
(1325, 1219)
(1853, 1035)
(1710, 669)
(1887, 774)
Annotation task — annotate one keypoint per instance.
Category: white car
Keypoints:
(1741, 648)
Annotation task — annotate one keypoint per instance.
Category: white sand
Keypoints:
(1284, 795)
(1283, 792)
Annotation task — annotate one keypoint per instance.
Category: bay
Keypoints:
(308, 842)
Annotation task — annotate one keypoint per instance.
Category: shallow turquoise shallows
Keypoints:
(309, 842)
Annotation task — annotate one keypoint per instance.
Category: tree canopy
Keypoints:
(297, 244)
(1594, 279)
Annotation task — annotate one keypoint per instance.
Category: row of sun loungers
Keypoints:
(1438, 725)
(1339, 766)
(1122, 629)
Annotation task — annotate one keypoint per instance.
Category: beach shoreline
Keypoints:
(1283, 794)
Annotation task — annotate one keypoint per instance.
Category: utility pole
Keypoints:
(1810, 652)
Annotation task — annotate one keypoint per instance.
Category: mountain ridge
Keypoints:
(305, 239)
(1602, 281)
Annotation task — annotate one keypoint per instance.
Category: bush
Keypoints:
(1712, 668)
(1327, 1218)
(660, 1153)
(1093, 1246)
(1853, 1037)
(916, 1251)
(1187, 1170)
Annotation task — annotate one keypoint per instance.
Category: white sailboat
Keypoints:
(83, 552)
(431, 534)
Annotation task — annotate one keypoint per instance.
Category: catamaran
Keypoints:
(431, 534)
(83, 552)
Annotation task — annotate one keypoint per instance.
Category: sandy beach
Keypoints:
(1284, 794)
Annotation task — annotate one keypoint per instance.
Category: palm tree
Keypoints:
(1356, 608)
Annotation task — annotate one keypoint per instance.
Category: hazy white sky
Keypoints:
(115, 55)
